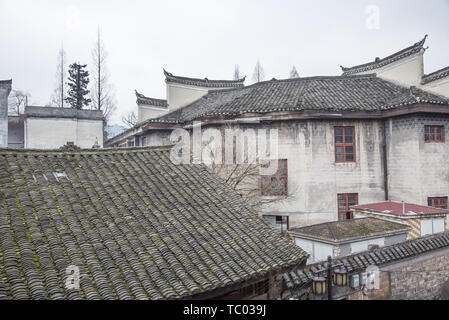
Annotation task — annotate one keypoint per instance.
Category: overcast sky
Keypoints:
(207, 38)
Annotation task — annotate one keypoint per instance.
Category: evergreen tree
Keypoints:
(78, 81)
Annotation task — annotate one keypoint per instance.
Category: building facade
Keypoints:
(361, 137)
(51, 128)
(5, 89)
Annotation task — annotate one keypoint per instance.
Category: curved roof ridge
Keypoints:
(438, 74)
(205, 82)
(377, 63)
(142, 99)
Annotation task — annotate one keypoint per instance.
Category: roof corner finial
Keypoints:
(96, 144)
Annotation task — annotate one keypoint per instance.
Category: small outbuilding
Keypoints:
(346, 237)
(423, 220)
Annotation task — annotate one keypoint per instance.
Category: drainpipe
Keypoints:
(384, 159)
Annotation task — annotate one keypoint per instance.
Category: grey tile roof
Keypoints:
(436, 75)
(53, 112)
(135, 224)
(331, 93)
(377, 63)
(204, 82)
(141, 99)
(360, 261)
(350, 230)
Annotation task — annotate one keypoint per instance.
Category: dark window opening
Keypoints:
(256, 289)
(345, 200)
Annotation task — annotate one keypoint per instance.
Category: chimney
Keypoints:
(5, 89)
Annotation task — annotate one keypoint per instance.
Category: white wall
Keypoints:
(407, 72)
(440, 87)
(431, 226)
(318, 251)
(149, 112)
(52, 133)
(180, 95)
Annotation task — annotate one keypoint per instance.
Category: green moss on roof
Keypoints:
(137, 226)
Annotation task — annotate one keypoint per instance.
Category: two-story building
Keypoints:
(342, 140)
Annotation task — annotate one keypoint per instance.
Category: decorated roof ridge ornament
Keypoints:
(70, 146)
(141, 99)
(436, 75)
(377, 63)
(96, 144)
(205, 82)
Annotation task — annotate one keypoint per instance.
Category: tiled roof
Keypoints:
(135, 224)
(349, 230)
(54, 112)
(300, 278)
(436, 75)
(329, 94)
(396, 208)
(141, 99)
(204, 82)
(377, 63)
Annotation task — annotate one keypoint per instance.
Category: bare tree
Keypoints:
(237, 72)
(130, 120)
(102, 92)
(294, 73)
(58, 97)
(17, 101)
(259, 73)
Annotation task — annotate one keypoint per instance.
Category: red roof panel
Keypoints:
(396, 208)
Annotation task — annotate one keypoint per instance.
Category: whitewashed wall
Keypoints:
(52, 133)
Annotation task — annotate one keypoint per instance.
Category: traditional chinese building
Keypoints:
(366, 136)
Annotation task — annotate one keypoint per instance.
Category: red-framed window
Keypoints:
(433, 134)
(345, 200)
(344, 144)
(277, 184)
(437, 202)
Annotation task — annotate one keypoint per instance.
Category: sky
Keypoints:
(207, 38)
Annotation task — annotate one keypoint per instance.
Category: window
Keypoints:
(344, 144)
(275, 185)
(279, 222)
(433, 133)
(256, 289)
(345, 200)
(437, 202)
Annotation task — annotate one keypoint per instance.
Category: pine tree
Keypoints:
(294, 73)
(78, 81)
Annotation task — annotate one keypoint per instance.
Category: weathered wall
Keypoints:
(416, 170)
(5, 89)
(314, 177)
(52, 133)
(414, 279)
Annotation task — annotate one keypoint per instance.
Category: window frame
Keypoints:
(343, 213)
(433, 130)
(430, 202)
(277, 175)
(344, 144)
